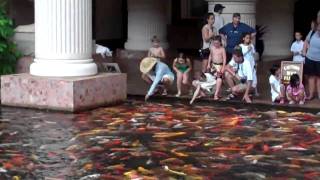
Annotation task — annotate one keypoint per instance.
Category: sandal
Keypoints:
(230, 97)
(164, 93)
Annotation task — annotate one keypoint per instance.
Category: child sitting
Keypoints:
(295, 90)
(217, 62)
(156, 51)
(182, 66)
(277, 89)
(205, 85)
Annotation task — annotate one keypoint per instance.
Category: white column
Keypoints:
(247, 9)
(63, 38)
(146, 18)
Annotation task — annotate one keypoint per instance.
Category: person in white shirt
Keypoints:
(249, 51)
(277, 88)
(219, 21)
(297, 48)
(240, 76)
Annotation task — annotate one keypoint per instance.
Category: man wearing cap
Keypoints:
(240, 76)
(155, 72)
(219, 21)
(233, 33)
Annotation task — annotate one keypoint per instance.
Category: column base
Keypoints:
(65, 94)
(142, 45)
(61, 68)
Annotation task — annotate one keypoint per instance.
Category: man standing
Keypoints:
(156, 72)
(219, 21)
(233, 33)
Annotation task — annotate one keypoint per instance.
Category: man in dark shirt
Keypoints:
(233, 33)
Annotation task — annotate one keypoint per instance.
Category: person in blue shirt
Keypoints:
(156, 72)
(233, 33)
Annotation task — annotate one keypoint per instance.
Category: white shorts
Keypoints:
(170, 77)
(166, 76)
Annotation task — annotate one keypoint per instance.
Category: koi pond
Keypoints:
(138, 140)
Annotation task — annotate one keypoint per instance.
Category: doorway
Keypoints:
(304, 13)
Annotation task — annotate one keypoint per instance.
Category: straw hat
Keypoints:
(147, 64)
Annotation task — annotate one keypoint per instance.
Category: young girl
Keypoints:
(156, 50)
(217, 62)
(205, 85)
(249, 51)
(208, 32)
(295, 90)
(277, 89)
(182, 66)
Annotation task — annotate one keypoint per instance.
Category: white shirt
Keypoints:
(274, 81)
(245, 70)
(249, 54)
(219, 21)
(297, 46)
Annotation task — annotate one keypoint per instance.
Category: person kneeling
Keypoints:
(295, 91)
(155, 73)
(240, 76)
(205, 85)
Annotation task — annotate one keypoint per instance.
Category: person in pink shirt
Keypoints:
(295, 91)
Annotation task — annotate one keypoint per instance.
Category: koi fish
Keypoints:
(116, 167)
(227, 149)
(159, 154)
(305, 160)
(166, 168)
(172, 161)
(179, 154)
(168, 134)
(145, 171)
(91, 177)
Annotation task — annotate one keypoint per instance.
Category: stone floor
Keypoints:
(129, 63)
(137, 87)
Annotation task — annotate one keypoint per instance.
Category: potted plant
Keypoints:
(8, 51)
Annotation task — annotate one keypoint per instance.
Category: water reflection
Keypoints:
(159, 141)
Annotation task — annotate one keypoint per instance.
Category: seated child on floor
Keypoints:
(217, 62)
(277, 89)
(295, 91)
(205, 85)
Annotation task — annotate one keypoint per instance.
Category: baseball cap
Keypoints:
(218, 7)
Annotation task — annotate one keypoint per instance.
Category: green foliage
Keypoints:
(8, 52)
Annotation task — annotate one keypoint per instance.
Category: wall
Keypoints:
(278, 16)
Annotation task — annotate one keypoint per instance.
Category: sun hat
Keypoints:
(147, 64)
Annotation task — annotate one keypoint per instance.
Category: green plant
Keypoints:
(8, 51)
